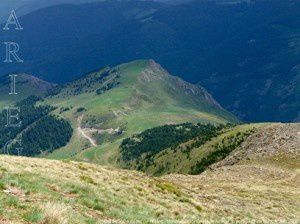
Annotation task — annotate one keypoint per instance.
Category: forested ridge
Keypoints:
(28, 115)
(48, 133)
(221, 151)
(184, 148)
(154, 140)
(39, 131)
(98, 81)
(141, 149)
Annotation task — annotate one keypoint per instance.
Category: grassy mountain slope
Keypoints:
(26, 85)
(192, 156)
(247, 191)
(38, 132)
(111, 104)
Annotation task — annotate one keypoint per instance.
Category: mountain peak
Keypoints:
(145, 85)
(153, 71)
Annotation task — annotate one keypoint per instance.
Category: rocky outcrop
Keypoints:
(270, 141)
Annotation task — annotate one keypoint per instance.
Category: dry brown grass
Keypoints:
(251, 191)
(55, 213)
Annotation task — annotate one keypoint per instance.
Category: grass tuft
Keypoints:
(55, 214)
(170, 188)
(87, 179)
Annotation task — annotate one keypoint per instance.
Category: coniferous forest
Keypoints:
(39, 131)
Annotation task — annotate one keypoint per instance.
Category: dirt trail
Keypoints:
(84, 134)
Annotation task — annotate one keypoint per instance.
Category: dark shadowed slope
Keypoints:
(246, 55)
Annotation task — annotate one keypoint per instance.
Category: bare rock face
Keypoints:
(270, 141)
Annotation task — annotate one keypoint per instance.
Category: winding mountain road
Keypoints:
(84, 134)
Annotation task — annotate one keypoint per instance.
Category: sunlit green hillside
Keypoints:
(108, 105)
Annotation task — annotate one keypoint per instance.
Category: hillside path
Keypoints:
(84, 134)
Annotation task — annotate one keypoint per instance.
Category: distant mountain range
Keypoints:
(245, 53)
(23, 7)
